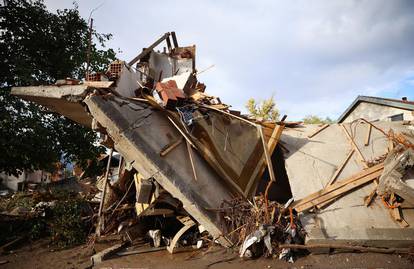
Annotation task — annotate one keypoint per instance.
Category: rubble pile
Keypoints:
(260, 226)
(192, 170)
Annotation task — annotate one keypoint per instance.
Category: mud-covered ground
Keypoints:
(39, 255)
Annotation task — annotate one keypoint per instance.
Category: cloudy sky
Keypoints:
(314, 57)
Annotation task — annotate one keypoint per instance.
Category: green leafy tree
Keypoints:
(39, 47)
(313, 119)
(264, 109)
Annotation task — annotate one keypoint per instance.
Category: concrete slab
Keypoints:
(65, 100)
(139, 133)
(310, 164)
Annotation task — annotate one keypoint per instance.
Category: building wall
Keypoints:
(12, 182)
(373, 112)
(39, 176)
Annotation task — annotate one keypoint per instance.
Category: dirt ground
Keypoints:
(39, 255)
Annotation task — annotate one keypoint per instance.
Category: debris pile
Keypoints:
(64, 216)
(191, 170)
(260, 226)
(365, 155)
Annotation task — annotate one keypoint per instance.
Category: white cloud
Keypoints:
(315, 56)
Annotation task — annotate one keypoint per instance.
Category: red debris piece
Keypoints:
(169, 93)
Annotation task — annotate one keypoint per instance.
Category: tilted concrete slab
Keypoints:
(311, 163)
(139, 133)
(65, 100)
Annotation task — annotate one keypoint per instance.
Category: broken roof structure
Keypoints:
(159, 118)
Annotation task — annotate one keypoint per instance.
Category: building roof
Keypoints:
(402, 104)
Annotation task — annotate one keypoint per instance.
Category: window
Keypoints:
(398, 117)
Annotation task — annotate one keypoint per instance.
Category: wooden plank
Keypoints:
(190, 155)
(340, 184)
(149, 49)
(168, 148)
(267, 155)
(333, 194)
(181, 131)
(397, 217)
(319, 130)
(362, 159)
(321, 205)
(336, 174)
(368, 137)
(99, 84)
(340, 168)
(275, 137)
(101, 217)
(271, 145)
(174, 39)
(368, 200)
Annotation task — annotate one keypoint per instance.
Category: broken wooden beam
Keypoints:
(101, 221)
(271, 146)
(340, 168)
(326, 197)
(149, 49)
(339, 188)
(168, 148)
(354, 145)
(174, 39)
(267, 155)
(190, 156)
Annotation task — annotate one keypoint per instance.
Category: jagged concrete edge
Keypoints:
(145, 164)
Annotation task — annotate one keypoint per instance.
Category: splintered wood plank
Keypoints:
(354, 145)
(190, 156)
(335, 176)
(271, 146)
(170, 147)
(267, 155)
(340, 168)
(333, 194)
(340, 184)
(98, 84)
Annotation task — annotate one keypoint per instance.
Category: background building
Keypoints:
(376, 108)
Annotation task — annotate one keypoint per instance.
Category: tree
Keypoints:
(313, 119)
(264, 109)
(39, 47)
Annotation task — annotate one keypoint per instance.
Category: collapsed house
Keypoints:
(334, 171)
(156, 114)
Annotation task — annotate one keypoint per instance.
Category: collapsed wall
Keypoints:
(158, 117)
